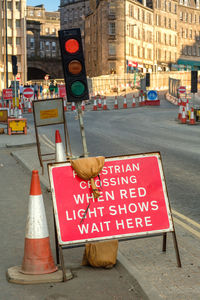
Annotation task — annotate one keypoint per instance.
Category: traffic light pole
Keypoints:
(82, 129)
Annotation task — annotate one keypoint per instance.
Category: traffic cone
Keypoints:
(60, 153)
(99, 102)
(20, 112)
(83, 105)
(192, 118)
(180, 112)
(187, 109)
(105, 104)
(73, 107)
(143, 100)
(183, 118)
(179, 101)
(29, 107)
(133, 103)
(95, 104)
(38, 258)
(116, 103)
(65, 105)
(11, 110)
(125, 102)
(140, 101)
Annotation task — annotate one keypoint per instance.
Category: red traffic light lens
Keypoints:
(75, 67)
(72, 46)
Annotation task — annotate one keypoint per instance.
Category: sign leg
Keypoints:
(178, 259)
(164, 242)
(62, 264)
(82, 129)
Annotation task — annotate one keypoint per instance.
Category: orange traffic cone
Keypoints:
(140, 101)
(65, 105)
(38, 258)
(180, 112)
(29, 107)
(95, 104)
(73, 107)
(116, 103)
(105, 104)
(133, 103)
(99, 102)
(192, 118)
(83, 105)
(187, 109)
(125, 102)
(20, 112)
(183, 118)
(60, 153)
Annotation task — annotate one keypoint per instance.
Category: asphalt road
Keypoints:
(141, 130)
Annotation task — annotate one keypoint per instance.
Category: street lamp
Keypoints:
(5, 42)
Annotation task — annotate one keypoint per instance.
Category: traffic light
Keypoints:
(14, 65)
(194, 81)
(147, 79)
(73, 65)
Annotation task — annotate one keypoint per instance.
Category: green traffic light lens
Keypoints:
(77, 88)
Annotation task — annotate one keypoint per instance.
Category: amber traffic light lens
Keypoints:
(72, 46)
(75, 67)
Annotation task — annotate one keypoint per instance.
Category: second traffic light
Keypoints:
(14, 65)
(73, 65)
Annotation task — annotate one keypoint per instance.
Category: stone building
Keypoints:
(16, 40)
(72, 14)
(124, 36)
(42, 41)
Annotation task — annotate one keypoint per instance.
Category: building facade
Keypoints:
(147, 36)
(42, 42)
(16, 40)
(72, 14)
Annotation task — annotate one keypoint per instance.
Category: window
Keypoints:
(9, 23)
(18, 41)
(190, 18)
(31, 13)
(149, 54)
(53, 31)
(198, 51)
(46, 30)
(39, 13)
(41, 45)
(190, 33)
(54, 46)
(9, 41)
(181, 15)
(170, 23)
(47, 46)
(112, 49)
(175, 25)
(175, 8)
(112, 8)
(18, 23)
(182, 33)
(165, 39)
(165, 22)
(112, 67)
(194, 50)
(9, 4)
(32, 43)
(18, 5)
(170, 6)
(186, 33)
(186, 17)
(170, 40)
(112, 28)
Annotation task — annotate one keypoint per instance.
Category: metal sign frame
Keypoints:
(60, 246)
(37, 105)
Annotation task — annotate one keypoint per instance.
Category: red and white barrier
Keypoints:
(95, 104)
(133, 102)
(73, 107)
(105, 104)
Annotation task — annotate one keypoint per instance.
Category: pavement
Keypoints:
(146, 272)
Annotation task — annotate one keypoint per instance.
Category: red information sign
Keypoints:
(182, 89)
(133, 200)
(28, 92)
(7, 94)
(62, 91)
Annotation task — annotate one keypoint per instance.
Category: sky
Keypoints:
(50, 5)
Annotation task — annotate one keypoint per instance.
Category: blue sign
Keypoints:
(152, 95)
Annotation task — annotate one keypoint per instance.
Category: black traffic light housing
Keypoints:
(147, 79)
(73, 65)
(14, 65)
(194, 80)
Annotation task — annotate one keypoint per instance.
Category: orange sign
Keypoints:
(48, 114)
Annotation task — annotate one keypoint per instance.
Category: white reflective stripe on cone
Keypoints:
(36, 226)
(60, 153)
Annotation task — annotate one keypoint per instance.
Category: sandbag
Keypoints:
(101, 254)
(88, 168)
